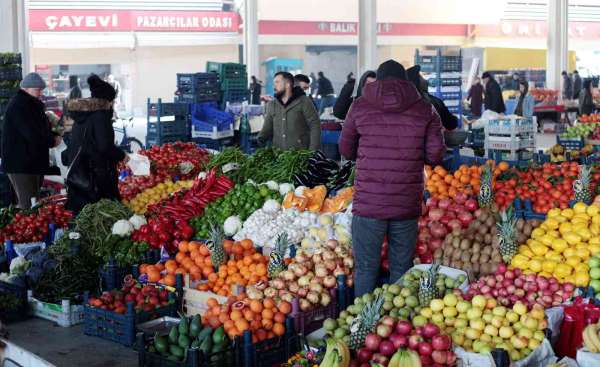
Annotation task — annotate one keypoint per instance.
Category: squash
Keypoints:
(288, 200)
(293, 201)
(315, 196)
(339, 202)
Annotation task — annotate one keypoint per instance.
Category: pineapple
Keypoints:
(486, 198)
(276, 264)
(427, 287)
(581, 186)
(215, 246)
(507, 231)
(365, 323)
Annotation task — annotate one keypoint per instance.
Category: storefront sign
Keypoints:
(128, 20)
(269, 27)
(536, 29)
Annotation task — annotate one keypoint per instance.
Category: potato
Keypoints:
(490, 222)
(465, 244)
(484, 258)
(456, 242)
(520, 224)
(465, 256)
(456, 255)
(476, 248)
(475, 258)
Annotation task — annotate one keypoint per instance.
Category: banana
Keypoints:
(396, 358)
(587, 342)
(330, 354)
(415, 361)
(343, 352)
(593, 337)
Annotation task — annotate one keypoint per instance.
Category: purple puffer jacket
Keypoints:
(391, 132)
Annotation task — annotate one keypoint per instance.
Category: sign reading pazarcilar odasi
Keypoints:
(43, 20)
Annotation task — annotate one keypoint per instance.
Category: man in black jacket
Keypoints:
(26, 140)
(325, 92)
(493, 94)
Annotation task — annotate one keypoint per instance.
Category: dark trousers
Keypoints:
(26, 186)
(367, 237)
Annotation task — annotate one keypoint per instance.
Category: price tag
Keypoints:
(230, 167)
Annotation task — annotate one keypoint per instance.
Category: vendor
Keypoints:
(525, 104)
(586, 101)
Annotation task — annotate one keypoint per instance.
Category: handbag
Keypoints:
(80, 175)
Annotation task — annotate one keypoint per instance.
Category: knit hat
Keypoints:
(101, 89)
(412, 74)
(33, 80)
(391, 70)
(486, 74)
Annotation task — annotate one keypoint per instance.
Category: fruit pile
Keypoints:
(189, 333)
(265, 318)
(510, 286)
(139, 204)
(178, 159)
(441, 185)
(33, 227)
(562, 245)
(591, 337)
(438, 219)
(130, 186)
(145, 298)
(594, 117)
(594, 264)
(546, 96)
(579, 131)
(480, 325)
(445, 284)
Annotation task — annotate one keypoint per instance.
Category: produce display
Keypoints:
(145, 298)
(594, 264)
(131, 186)
(34, 227)
(579, 131)
(591, 338)
(562, 245)
(544, 96)
(440, 184)
(444, 283)
(593, 118)
(139, 204)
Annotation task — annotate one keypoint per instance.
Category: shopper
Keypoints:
(577, 85)
(26, 140)
(475, 97)
(586, 100)
(75, 88)
(290, 120)
(449, 121)
(255, 90)
(302, 81)
(493, 95)
(513, 82)
(525, 103)
(391, 132)
(325, 93)
(93, 137)
(314, 85)
(345, 99)
(567, 87)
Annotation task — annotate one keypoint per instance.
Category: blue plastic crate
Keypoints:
(450, 95)
(197, 81)
(570, 144)
(10, 59)
(214, 144)
(177, 127)
(11, 72)
(270, 352)
(167, 109)
(121, 328)
(198, 97)
(210, 113)
(330, 136)
(235, 95)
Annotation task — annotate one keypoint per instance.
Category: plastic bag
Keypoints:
(541, 356)
(555, 317)
(576, 317)
(139, 164)
(587, 359)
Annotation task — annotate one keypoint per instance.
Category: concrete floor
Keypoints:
(66, 347)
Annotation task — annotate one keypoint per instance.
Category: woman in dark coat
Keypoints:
(586, 100)
(345, 99)
(93, 131)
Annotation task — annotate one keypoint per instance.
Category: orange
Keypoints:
(261, 269)
(207, 270)
(143, 268)
(285, 307)
(228, 325)
(278, 329)
(503, 166)
(153, 275)
(215, 310)
(267, 314)
(171, 266)
(236, 315)
(223, 317)
(267, 324)
(248, 315)
(170, 280)
(227, 244)
(279, 317)
(256, 306)
(269, 303)
(194, 254)
(212, 277)
(193, 246)
(212, 302)
(242, 325)
(150, 268)
(270, 335)
(159, 266)
(247, 244)
(203, 250)
(180, 256)
(255, 324)
(183, 246)
(208, 261)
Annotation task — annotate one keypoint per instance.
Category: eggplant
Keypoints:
(302, 180)
(319, 155)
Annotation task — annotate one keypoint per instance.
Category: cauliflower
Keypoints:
(122, 228)
(272, 185)
(271, 206)
(19, 265)
(284, 188)
(137, 221)
(232, 225)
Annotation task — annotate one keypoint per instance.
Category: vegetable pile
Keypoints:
(95, 222)
(163, 231)
(175, 159)
(33, 227)
(145, 298)
(323, 171)
(131, 186)
(139, 204)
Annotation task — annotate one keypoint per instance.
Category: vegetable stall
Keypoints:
(233, 259)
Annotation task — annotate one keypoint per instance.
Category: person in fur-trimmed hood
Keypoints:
(93, 132)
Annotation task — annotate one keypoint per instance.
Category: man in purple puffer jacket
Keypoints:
(391, 132)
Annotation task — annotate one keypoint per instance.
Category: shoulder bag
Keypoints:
(80, 175)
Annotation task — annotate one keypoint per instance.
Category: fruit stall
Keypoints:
(230, 259)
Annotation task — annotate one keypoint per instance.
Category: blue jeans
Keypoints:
(367, 237)
(326, 101)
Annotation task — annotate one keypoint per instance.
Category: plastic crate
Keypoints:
(201, 129)
(508, 143)
(198, 97)
(9, 58)
(510, 126)
(168, 128)
(270, 352)
(235, 95)
(210, 113)
(570, 144)
(227, 84)
(155, 140)
(167, 109)
(330, 136)
(8, 92)
(227, 70)
(121, 328)
(197, 81)
(12, 72)
(195, 358)
(450, 95)
(214, 144)
(63, 314)
(305, 322)
(499, 155)
(21, 312)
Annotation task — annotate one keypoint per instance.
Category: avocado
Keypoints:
(184, 328)
(204, 333)
(161, 343)
(195, 343)
(173, 335)
(218, 348)
(195, 326)
(176, 350)
(206, 346)
(218, 336)
(183, 341)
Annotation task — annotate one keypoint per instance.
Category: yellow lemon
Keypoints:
(538, 248)
(572, 238)
(553, 212)
(528, 271)
(559, 244)
(570, 251)
(582, 279)
(595, 229)
(520, 261)
(573, 260)
(551, 223)
(567, 213)
(565, 227)
(563, 269)
(583, 267)
(535, 265)
(545, 239)
(549, 266)
(537, 233)
(579, 208)
(583, 253)
(553, 233)
(581, 216)
(560, 219)
(596, 219)
(525, 250)
(592, 210)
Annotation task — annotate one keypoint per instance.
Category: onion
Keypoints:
(304, 304)
(325, 299)
(304, 281)
(328, 255)
(302, 292)
(432, 202)
(313, 297)
(330, 265)
(288, 275)
(332, 244)
(444, 203)
(454, 224)
(438, 230)
(261, 285)
(288, 297)
(435, 214)
(316, 287)
(321, 271)
(293, 287)
(300, 257)
(278, 283)
(349, 262)
(300, 271)
(270, 292)
(329, 281)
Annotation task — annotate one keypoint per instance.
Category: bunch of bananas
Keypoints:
(405, 358)
(337, 354)
(591, 340)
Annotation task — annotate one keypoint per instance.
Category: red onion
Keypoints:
(471, 205)
(432, 202)
(435, 214)
(444, 203)
(501, 269)
(455, 224)
(460, 197)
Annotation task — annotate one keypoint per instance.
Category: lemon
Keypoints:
(560, 219)
(581, 216)
(583, 253)
(525, 250)
(537, 233)
(568, 213)
(572, 238)
(545, 239)
(551, 223)
(553, 212)
(579, 208)
(592, 210)
(569, 279)
(559, 244)
(549, 266)
(535, 265)
(594, 249)
(573, 260)
(582, 278)
(553, 234)
(563, 270)
(583, 267)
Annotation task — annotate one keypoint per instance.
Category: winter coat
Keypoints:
(527, 108)
(586, 103)
(26, 136)
(493, 97)
(95, 115)
(294, 125)
(577, 85)
(325, 87)
(345, 99)
(567, 87)
(392, 132)
(476, 97)
(449, 120)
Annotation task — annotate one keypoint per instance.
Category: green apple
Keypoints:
(594, 262)
(595, 273)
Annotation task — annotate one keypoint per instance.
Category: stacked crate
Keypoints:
(211, 127)
(510, 139)
(10, 77)
(198, 88)
(234, 81)
(167, 123)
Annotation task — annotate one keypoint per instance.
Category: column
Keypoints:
(251, 58)
(8, 26)
(558, 42)
(367, 36)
